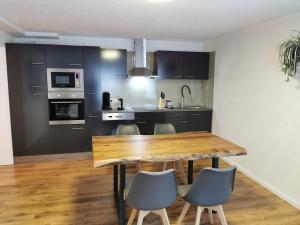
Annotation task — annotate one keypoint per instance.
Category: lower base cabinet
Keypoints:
(67, 139)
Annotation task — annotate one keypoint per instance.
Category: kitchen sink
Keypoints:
(193, 107)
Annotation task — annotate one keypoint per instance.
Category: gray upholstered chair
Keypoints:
(168, 128)
(151, 192)
(210, 190)
(130, 129)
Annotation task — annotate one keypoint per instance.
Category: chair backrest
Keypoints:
(212, 187)
(164, 128)
(152, 190)
(131, 129)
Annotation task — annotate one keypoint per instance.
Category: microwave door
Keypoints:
(63, 80)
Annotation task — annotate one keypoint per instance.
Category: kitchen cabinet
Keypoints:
(181, 65)
(200, 120)
(168, 64)
(179, 119)
(195, 65)
(64, 56)
(146, 120)
(114, 63)
(67, 139)
(27, 81)
(92, 92)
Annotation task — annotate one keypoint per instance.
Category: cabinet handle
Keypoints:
(183, 121)
(37, 86)
(93, 116)
(37, 63)
(141, 122)
(38, 94)
(66, 102)
(77, 128)
(196, 114)
(178, 76)
(189, 76)
(74, 64)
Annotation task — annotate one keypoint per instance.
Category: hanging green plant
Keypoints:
(289, 55)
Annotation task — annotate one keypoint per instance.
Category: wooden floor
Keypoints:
(67, 190)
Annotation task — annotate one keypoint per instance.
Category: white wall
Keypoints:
(255, 108)
(115, 43)
(6, 153)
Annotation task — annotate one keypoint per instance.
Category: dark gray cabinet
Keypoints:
(146, 120)
(27, 83)
(200, 120)
(196, 65)
(181, 65)
(114, 63)
(64, 56)
(67, 139)
(168, 64)
(179, 119)
(92, 82)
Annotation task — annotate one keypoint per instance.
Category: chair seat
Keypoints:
(183, 190)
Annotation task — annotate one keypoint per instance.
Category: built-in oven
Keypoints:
(60, 79)
(66, 108)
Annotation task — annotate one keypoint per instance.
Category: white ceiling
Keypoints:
(186, 20)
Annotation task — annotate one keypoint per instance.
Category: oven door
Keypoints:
(65, 79)
(66, 111)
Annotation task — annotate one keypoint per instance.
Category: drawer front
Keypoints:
(176, 116)
(159, 116)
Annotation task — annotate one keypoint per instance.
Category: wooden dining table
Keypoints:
(121, 150)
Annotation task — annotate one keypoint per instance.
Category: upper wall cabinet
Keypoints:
(63, 56)
(168, 64)
(195, 65)
(181, 65)
(114, 63)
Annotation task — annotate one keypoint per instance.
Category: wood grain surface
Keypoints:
(67, 190)
(161, 148)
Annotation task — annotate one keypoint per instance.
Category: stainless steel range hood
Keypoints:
(140, 60)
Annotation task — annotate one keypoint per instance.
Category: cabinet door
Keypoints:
(168, 64)
(93, 128)
(28, 99)
(63, 56)
(179, 120)
(67, 139)
(200, 121)
(114, 63)
(196, 65)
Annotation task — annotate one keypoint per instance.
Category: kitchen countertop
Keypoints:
(156, 109)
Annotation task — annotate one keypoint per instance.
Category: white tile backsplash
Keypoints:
(142, 91)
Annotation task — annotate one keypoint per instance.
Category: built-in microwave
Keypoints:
(60, 79)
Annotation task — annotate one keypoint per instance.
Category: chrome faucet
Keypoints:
(182, 94)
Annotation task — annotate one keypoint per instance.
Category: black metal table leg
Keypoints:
(122, 220)
(190, 171)
(116, 185)
(215, 162)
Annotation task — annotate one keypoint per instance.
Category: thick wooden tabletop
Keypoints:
(161, 148)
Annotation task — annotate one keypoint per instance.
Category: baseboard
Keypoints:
(264, 184)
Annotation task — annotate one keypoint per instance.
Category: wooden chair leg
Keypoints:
(165, 166)
(165, 217)
(132, 216)
(221, 215)
(179, 164)
(198, 216)
(141, 216)
(210, 216)
(183, 213)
